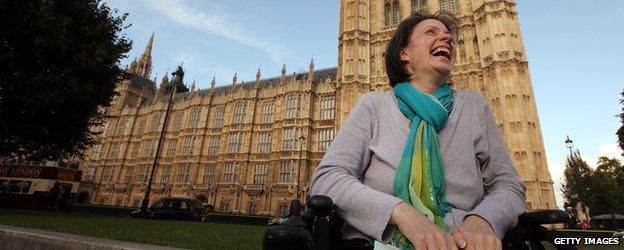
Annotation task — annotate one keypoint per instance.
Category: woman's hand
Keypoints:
(419, 230)
(475, 233)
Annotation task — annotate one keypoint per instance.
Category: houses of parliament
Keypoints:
(251, 147)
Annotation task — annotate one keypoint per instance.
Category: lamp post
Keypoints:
(238, 198)
(128, 191)
(190, 189)
(301, 140)
(177, 77)
(569, 144)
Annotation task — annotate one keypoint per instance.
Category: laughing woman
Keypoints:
(424, 159)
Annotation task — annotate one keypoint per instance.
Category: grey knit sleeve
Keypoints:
(505, 193)
(339, 174)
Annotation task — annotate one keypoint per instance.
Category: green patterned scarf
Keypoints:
(419, 179)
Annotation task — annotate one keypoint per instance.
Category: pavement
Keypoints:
(35, 239)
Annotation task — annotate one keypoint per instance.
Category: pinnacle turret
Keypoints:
(143, 65)
(283, 77)
(311, 70)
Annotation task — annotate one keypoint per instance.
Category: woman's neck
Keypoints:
(427, 85)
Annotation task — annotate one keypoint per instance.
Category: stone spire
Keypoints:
(258, 75)
(133, 65)
(234, 79)
(311, 69)
(165, 79)
(283, 77)
(148, 47)
(193, 86)
(163, 84)
(212, 85)
(143, 65)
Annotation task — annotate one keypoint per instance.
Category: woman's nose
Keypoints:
(447, 38)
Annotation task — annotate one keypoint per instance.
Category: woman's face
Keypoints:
(430, 50)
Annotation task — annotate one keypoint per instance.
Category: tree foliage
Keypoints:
(577, 176)
(601, 189)
(620, 131)
(60, 63)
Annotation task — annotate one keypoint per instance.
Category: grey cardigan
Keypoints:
(358, 169)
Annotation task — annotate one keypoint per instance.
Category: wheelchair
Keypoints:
(318, 227)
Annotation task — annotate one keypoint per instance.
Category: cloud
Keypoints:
(611, 150)
(591, 161)
(556, 173)
(608, 149)
(219, 23)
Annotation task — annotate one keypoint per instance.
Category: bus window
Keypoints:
(4, 186)
(15, 186)
(26, 187)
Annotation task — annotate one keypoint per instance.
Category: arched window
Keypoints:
(391, 13)
(395, 13)
(419, 6)
(387, 7)
(449, 5)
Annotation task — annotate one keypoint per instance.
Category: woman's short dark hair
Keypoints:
(394, 65)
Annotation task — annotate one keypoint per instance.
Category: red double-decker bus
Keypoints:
(28, 184)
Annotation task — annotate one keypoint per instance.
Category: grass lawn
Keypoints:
(182, 234)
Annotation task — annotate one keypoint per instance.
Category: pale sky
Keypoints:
(573, 47)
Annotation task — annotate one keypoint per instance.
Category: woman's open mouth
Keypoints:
(442, 51)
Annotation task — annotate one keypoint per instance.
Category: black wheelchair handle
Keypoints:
(321, 205)
(543, 217)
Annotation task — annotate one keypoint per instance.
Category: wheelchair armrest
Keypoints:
(551, 216)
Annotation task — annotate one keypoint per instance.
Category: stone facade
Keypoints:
(251, 147)
(239, 147)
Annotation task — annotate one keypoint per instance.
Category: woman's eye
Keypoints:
(430, 32)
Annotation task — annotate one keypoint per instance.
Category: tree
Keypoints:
(601, 189)
(620, 131)
(607, 186)
(613, 167)
(60, 63)
(576, 179)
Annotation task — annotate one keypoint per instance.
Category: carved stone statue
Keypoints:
(177, 81)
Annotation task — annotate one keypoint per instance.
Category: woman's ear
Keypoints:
(404, 56)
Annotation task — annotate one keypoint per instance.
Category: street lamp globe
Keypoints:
(569, 143)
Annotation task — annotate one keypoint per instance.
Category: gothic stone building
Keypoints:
(251, 147)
